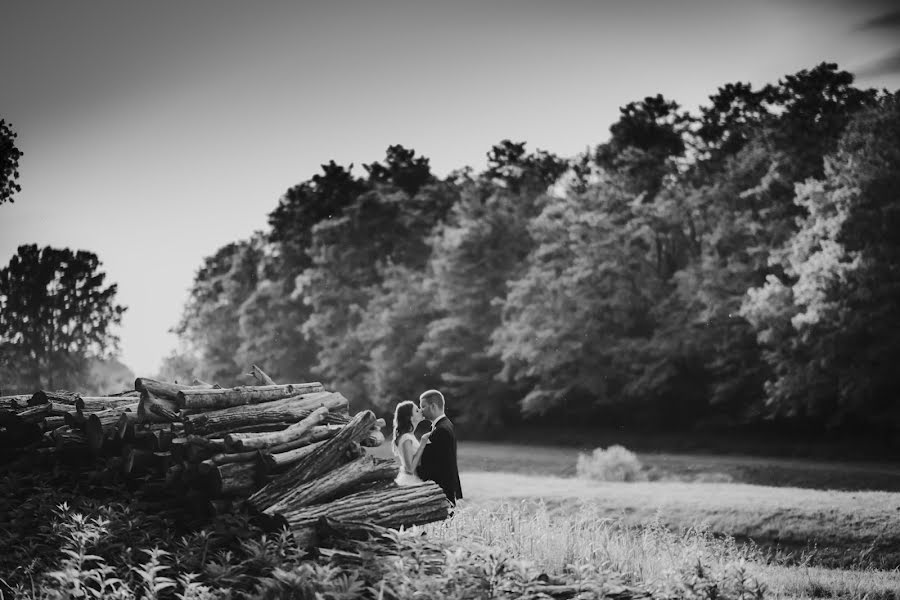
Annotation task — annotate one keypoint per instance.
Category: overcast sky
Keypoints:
(155, 132)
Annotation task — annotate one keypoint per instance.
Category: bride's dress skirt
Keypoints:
(404, 478)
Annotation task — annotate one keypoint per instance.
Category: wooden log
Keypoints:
(199, 448)
(75, 420)
(374, 439)
(127, 393)
(321, 460)
(247, 441)
(199, 383)
(210, 464)
(100, 427)
(316, 434)
(291, 409)
(164, 389)
(233, 479)
(396, 506)
(154, 409)
(336, 483)
(15, 402)
(277, 462)
(331, 532)
(175, 474)
(260, 428)
(51, 423)
(35, 413)
(224, 398)
(125, 427)
(261, 376)
(59, 396)
(66, 437)
(161, 440)
(136, 461)
(110, 424)
(101, 403)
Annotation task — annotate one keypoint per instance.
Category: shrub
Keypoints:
(616, 463)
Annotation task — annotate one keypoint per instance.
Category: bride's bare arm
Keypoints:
(414, 458)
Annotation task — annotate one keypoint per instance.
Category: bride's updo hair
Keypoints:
(403, 419)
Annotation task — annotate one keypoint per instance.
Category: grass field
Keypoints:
(806, 529)
(558, 461)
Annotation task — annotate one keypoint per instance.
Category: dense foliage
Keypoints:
(56, 315)
(729, 266)
(9, 163)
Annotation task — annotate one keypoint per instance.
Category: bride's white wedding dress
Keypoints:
(406, 476)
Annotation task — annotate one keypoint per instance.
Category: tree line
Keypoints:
(737, 264)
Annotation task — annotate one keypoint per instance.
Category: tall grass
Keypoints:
(670, 564)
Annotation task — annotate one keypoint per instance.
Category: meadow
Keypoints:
(801, 528)
(531, 526)
(797, 540)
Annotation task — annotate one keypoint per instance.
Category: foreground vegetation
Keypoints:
(71, 533)
(660, 559)
(68, 531)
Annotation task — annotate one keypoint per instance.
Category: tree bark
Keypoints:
(324, 458)
(66, 437)
(125, 427)
(51, 423)
(261, 376)
(14, 402)
(59, 396)
(392, 507)
(291, 409)
(224, 398)
(336, 483)
(224, 458)
(247, 441)
(236, 478)
(282, 460)
(100, 427)
(154, 409)
(164, 389)
(316, 434)
(100, 403)
(374, 439)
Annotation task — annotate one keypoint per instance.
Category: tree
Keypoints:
(402, 169)
(572, 320)
(829, 324)
(9, 163)
(481, 246)
(643, 143)
(55, 314)
(351, 253)
(209, 325)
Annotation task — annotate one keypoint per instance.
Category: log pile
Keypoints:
(290, 453)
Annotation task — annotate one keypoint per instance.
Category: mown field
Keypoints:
(804, 528)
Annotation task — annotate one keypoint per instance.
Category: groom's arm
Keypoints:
(426, 468)
(431, 465)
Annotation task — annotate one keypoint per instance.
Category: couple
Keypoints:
(433, 457)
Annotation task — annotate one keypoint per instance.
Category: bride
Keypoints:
(405, 446)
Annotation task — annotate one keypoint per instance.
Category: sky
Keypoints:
(154, 133)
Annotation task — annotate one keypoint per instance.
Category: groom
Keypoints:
(438, 462)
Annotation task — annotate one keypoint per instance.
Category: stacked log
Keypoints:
(291, 452)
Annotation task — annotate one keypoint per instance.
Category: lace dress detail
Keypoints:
(406, 476)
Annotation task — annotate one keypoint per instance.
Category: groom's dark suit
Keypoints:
(438, 462)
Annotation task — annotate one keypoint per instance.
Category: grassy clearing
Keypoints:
(830, 528)
(669, 563)
(782, 472)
